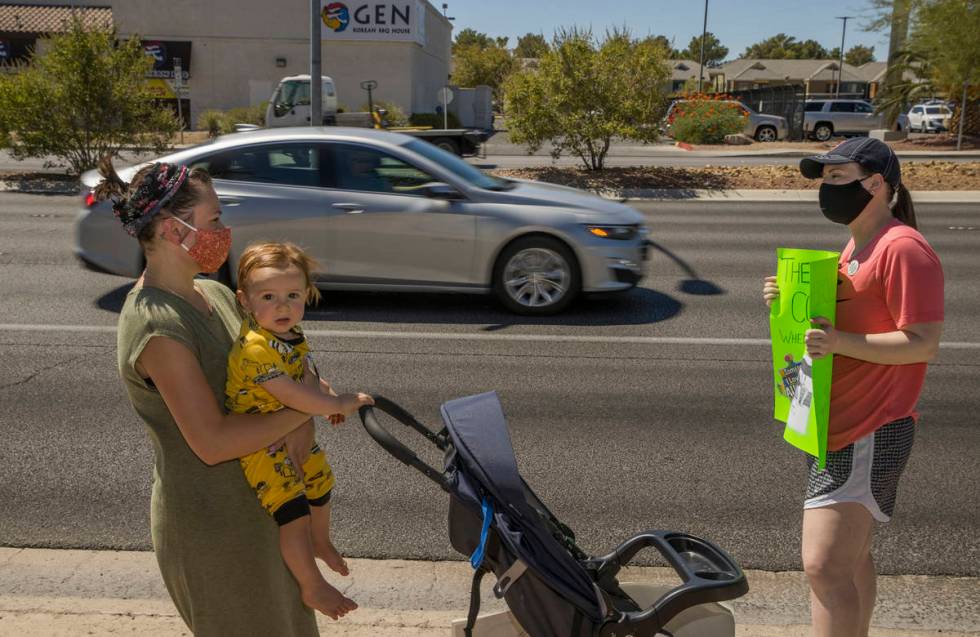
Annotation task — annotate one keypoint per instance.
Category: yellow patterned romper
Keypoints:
(256, 357)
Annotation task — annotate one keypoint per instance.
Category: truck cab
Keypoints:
(290, 103)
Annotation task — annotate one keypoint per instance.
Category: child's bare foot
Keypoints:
(328, 600)
(326, 551)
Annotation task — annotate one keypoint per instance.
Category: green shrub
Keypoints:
(706, 121)
(212, 121)
(218, 122)
(394, 115)
(434, 120)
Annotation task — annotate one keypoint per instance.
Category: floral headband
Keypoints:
(155, 191)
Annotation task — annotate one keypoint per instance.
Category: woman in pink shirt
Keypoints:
(889, 320)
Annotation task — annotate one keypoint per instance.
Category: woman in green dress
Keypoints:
(217, 549)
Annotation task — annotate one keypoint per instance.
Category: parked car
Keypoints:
(822, 119)
(927, 117)
(385, 211)
(760, 126)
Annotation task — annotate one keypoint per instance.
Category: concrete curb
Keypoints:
(70, 592)
(40, 187)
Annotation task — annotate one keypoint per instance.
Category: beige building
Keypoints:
(233, 52)
(820, 77)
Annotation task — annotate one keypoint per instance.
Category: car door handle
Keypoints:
(351, 208)
(229, 201)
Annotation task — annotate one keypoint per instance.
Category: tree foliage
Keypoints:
(943, 53)
(472, 37)
(586, 92)
(666, 44)
(85, 98)
(859, 55)
(714, 52)
(474, 65)
(531, 45)
(786, 47)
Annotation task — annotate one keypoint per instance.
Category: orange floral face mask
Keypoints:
(211, 248)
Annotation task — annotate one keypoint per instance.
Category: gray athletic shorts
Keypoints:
(866, 471)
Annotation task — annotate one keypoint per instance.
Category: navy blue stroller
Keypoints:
(551, 586)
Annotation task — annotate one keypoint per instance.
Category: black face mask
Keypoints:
(843, 204)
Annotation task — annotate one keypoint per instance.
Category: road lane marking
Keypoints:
(462, 336)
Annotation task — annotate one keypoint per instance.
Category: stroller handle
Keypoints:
(393, 446)
(708, 573)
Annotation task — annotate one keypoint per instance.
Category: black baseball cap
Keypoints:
(873, 154)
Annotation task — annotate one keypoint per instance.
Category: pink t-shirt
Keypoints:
(898, 281)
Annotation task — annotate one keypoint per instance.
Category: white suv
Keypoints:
(928, 118)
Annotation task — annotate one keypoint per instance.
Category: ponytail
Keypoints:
(902, 209)
(111, 186)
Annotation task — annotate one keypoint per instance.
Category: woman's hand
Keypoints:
(298, 443)
(770, 290)
(822, 341)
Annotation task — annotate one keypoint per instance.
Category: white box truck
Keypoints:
(290, 106)
(290, 102)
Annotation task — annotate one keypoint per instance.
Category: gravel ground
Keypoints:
(928, 175)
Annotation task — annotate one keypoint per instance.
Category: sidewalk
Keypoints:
(63, 592)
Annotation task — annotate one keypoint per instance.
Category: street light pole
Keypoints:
(840, 64)
(704, 32)
(316, 84)
(959, 137)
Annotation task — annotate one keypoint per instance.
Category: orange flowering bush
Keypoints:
(706, 119)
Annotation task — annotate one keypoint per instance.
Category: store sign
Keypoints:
(398, 21)
(164, 54)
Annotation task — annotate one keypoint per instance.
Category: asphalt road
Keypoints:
(616, 429)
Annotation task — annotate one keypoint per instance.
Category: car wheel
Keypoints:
(447, 144)
(536, 276)
(766, 134)
(823, 132)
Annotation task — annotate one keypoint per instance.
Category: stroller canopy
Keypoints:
(479, 433)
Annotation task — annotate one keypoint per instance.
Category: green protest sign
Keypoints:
(807, 282)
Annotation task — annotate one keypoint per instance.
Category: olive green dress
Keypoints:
(218, 550)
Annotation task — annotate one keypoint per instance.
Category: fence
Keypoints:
(786, 101)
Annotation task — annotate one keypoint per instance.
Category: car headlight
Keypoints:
(619, 233)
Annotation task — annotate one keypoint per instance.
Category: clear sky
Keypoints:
(737, 23)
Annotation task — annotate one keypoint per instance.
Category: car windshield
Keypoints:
(468, 173)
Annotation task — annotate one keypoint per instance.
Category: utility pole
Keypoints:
(896, 43)
(704, 32)
(959, 137)
(316, 84)
(840, 66)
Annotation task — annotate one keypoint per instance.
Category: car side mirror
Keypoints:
(439, 190)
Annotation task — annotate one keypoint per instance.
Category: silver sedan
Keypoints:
(383, 211)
